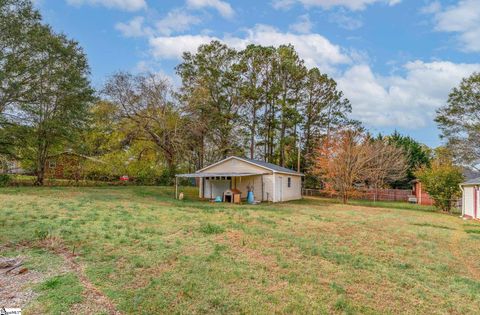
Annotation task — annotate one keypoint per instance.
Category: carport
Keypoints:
(215, 184)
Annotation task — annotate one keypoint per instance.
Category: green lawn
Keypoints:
(150, 254)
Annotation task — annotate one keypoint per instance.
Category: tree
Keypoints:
(53, 109)
(459, 120)
(416, 154)
(342, 160)
(291, 76)
(388, 164)
(441, 179)
(211, 70)
(144, 100)
(324, 109)
(19, 26)
(254, 68)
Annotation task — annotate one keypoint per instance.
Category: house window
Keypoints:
(52, 164)
(289, 182)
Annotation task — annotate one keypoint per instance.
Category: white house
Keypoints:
(470, 198)
(269, 182)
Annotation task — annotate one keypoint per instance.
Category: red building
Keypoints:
(423, 198)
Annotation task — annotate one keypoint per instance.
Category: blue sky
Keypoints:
(396, 60)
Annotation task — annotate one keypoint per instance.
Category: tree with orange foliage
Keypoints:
(350, 157)
(342, 160)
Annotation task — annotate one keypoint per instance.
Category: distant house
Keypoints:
(67, 165)
(421, 195)
(235, 175)
(470, 198)
(12, 167)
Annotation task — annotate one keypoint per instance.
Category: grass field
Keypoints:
(135, 250)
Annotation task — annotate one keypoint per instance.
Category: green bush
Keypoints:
(4, 180)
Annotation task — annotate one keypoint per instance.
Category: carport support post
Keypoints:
(176, 187)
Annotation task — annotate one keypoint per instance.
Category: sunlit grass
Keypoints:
(152, 254)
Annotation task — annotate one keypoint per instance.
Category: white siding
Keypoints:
(235, 166)
(271, 189)
(268, 187)
(468, 197)
(293, 192)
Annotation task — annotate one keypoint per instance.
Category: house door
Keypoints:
(279, 188)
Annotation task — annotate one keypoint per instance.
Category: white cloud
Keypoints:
(303, 25)
(127, 5)
(345, 20)
(172, 47)
(315, 49)
(407, 101)
(431, 8)
(224, 8)
(353, 5)
(176, 21)
(134, 28)
(149, 66)
(462, 18)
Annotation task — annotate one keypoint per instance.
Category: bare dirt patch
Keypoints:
(16, 289)
(15, 286)
(94, 299)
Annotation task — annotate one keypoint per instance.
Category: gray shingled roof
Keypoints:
(474, 181)
(272, 166)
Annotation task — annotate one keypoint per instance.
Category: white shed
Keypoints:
(470, 198)
(269, 182)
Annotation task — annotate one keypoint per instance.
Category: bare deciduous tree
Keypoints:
(342, 160)
(144, 99)
(349, 157)
(388, 164)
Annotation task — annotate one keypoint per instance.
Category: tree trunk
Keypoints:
(42, 153)
(201, 157)
(40, 177)
(252, 135)
(344, 197)
(282, 144)
(171, 167)
(283, 128)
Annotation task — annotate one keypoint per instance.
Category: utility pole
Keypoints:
(298, 155)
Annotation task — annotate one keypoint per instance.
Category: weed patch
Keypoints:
(210, 228)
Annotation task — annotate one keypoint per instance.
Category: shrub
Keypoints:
(441, 179)
(4, 180)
